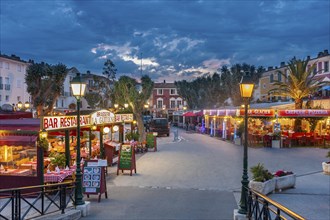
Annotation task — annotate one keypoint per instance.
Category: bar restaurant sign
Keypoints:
(70, 121)
(64, 122)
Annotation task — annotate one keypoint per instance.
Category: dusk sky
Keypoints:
(177, 39)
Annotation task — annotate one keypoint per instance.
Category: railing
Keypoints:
(30, 202)
(260, 207)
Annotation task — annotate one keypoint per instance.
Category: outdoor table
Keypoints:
(54, 177)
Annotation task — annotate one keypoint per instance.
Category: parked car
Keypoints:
(160, 125)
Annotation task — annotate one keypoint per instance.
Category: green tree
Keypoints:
(126, 90)
(109, 70)
(93, 99)
(298, 84)
(45, 84)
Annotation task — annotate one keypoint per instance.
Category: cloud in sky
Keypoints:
(175, 39)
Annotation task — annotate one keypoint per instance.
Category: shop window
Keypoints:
(18, 160)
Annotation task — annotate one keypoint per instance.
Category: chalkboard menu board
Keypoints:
(151, 142)
(93, 179)
(126, 159)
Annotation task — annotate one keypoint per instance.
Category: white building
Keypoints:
(12, 82)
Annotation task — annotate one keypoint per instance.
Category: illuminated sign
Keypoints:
(304, 113)
(259, 112)
(102, 117)
(62, 122)
(124, 117)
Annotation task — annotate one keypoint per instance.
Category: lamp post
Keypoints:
(246, 87)
(78, 90)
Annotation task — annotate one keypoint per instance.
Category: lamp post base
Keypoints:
(238, 216)
(85, 208)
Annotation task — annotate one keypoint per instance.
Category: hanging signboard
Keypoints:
(304, 113)
(126, 159)
(259, 112)
(93, 179)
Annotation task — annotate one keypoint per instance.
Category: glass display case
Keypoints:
(18, 160)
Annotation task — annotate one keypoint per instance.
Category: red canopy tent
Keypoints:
(189, 114)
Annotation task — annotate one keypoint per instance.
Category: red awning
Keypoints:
(17, 140)
(189, 114)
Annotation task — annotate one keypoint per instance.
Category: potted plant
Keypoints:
(284, 180)
(263, 180)
(276, 141)
(57, 160)
(326, 165)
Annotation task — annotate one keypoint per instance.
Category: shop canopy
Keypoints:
(193, 114)
(189, 114)
(18, 140)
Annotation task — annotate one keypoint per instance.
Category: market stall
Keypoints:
(20, 156)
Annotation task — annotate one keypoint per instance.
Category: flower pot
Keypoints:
(284, 182)
(263, 187)
(276, 143)
(326, 167)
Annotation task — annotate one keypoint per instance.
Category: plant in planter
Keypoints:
(263, 180)
(57, 160)
(284, 180)
(326, 165)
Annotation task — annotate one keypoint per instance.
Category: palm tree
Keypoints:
(298, 84)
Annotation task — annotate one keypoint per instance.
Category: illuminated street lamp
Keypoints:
(19, 105)
(27, 105)
(246, 87)
(126, 105)
(116, 106)
(78, 90)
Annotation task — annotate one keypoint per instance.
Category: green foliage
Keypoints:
(57, 159)
(43, 143)
(93, 99)
(150, 140)
(44, 84)
(299, 83)
(132, 136)
(211, 91)
(109, 70)
(128, 90)
(260, 174)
